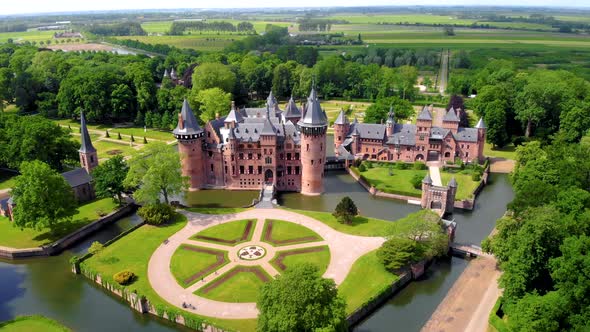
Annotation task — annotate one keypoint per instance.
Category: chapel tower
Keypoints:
(88, 155)
(190, 146)
(341, 128)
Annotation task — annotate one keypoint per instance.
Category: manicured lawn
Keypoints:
(366, 279)
(11, 236)
(241, 287)
(206, 210)
(285, 233)
(133, 253)
(108, 149)
(32, 324)
(7, 179)
(362, 226)
(507, 152)
(185, 262)
(465, 186)
(137, 132)
(218, 198)
(231, 231)
(398, 183)
(321, 258)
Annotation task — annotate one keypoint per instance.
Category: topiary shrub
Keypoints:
(400, 165)
(124, 277)
(420, 165)
(362, 168)
(156, 214)
(95, 247)
(369, 164)
(416, 181)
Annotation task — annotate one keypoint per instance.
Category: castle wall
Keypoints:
(313, 157)
(191, 152)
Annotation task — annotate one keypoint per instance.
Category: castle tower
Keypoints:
(424, 121)
(390, 124)
(313, 126)
(341, 128)
(233, 117)
(190, 146)
(292, 113)
(451, 121)
(88, 155)
(426, 184)
(451, 193)
(481, 138)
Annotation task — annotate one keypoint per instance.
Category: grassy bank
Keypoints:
(34, 323)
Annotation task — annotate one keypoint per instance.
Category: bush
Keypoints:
(144, 140)
(419, 165)
(107, 135)
(518, 140)
(369, 164)
(118, 135)
(416, 181)
(396, 253)
(124, 277)
(362, 168)
(156, 214)
(475, 176)
(101, 212)
(95, 247)
(400, 165)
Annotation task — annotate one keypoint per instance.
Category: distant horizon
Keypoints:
(57, 7)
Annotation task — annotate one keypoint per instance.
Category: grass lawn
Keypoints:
(361, 226)
(283, 231)
(398, 183)
(206, 210)
(321, 259)
(465, 186)
(507, 152)
(7, 179)
(108, 149)
(231, 231)
(137, 132)
(241, 287)
(219, 198)
(34, 323)
(14, 237)
(366, 279)
(133, 253)
(186, 263)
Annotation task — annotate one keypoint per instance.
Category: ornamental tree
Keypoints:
(301, 300)
(42, 197)
(345, 211)
(109, 176)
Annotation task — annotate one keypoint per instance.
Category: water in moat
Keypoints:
(46, 286)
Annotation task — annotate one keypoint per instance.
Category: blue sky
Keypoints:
(43, 6)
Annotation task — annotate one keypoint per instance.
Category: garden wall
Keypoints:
(70, 239)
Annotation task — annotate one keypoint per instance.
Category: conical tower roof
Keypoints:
(427, 179)
(480, 124)
(391, 115)
(453, 182)
(314, 116)
(451, 116)
(271, 100)
(166, 74)
(292, 111)
(269, 128)
(86, 146)
(341, 119)
(425, 114)
(187, 124)
(234, 115)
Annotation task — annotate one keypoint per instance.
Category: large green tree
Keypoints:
(495, 118)
(42, 197)
(301, 300)
(214, 75)
(109, 177)
(377, 112)
(210, 102)
(156, 174)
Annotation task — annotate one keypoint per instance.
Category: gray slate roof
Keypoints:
(86, 143)
(453, 183)
(451, 116)
(370, 130)
(191, 126)
(77, 177)
(269, 128)
(292, 111)
(234, 115)
(341, 119)
(466, 135)
(481, 124)
(403, 134)
(425, 114)
(4, 204)
(314, 116)
(427, 179)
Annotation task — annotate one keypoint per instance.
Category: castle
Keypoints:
(422, 141)
(252, 147)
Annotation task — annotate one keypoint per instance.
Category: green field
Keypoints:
(285, 231)
(201, 42)
(223, 210)
(31, 36)
(507, 152)
(321, 259)
(380, 278)
(361, 226)
(397, 183)
(465, 187)
(108, 149)
(133, 253)
(186, 263)
(216, 198)
(411, 19)
(34, 323)
(137, 132)
(241, 287)
(11, 236)
(228, 231)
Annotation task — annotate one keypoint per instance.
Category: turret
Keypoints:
(481, 138)
(313, 126)
(272, 102)
(451, 193)
(292, 112)
(341, 128)
(424, 120)
(173, 75)
(190, 146)
(451, 121)
(88, 155)
(233, 117)
(390, 124)
(426, 184)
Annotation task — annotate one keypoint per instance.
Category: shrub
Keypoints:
(416, 181)
(118, 135)
(132, 138)
(95, 247)
(101, 212)
(156, 214)
(419, 165)
(400, 165)
(144, 140)
(518, 140)
(106, 134)
(475, 176)
(396, 253)
(362, 168)
(124, 277)
(369, 164)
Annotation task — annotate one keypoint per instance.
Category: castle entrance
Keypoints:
(433, 155)
(268, 177)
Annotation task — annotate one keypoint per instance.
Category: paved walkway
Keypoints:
(344, 251)
(435, 175)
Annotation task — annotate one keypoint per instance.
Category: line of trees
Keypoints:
(117, 29)
(179, 27)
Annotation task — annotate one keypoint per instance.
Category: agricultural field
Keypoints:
(164, 26)
(200, 42)
(31, 36)
(394, 19)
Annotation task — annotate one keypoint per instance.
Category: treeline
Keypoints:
(118, 29)
(321, 25)
(542, 247)
(13, 27)
(153, 48)
(394, 57)
(179, 27)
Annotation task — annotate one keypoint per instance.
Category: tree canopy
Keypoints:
(109, 176)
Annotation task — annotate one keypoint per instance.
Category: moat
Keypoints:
(46, 286)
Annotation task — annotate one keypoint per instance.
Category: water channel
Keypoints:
(46, 286)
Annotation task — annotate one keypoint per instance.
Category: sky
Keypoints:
(8, 7)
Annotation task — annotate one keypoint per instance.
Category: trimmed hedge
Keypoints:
(124, 277)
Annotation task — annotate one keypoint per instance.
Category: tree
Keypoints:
(210, 102)
(345, 211)
(155, 172)
(396, 253)
(42, 198)
(536, 313)
(301, 300)
(377, 112)
(213, 75)
(425, 228)
(495, 118)
(109, 176)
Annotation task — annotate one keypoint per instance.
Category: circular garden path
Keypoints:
(344, 249)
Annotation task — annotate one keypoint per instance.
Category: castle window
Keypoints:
(307, 147)
(462, 146)
(209, 134)
(259, 169)
(241, 156)
(241, 169)
(297, 156)
(466, 154)
(321, 147)
(211, 167)
(281, 156)
(232, 157)
(250, 169)
(259, 156)
(249, 155)
(339, 138)
(249, 145)
(467, 147)
(268, 160)
(296, 170)
(320, 161)
(312, 161)
(289, 170)
(233, 170)
(92, 158)
(226, 169)
(288, 156)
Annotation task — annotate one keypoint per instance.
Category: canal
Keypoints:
(46, 286)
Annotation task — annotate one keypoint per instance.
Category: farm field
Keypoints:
(201, 42)
(32, 36)
(164, 26)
